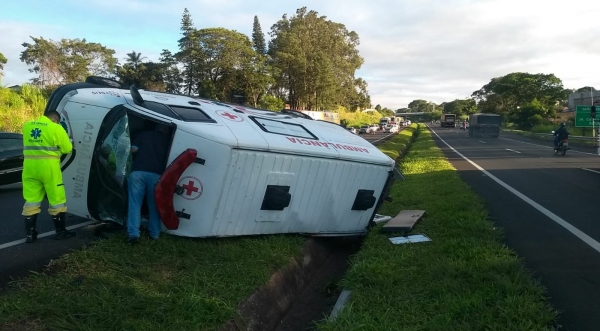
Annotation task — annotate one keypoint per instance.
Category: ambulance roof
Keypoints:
(288, 132)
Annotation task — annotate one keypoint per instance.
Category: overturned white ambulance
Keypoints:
(231, 170)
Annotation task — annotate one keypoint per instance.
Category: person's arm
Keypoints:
(136, 144)
(63, 140)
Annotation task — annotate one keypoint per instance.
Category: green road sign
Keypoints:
(582, 117)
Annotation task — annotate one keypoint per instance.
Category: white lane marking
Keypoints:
(45, 234)
(590, 170)
(578, 233)
(374, 141)
(522, 142)
(483, 142)
(512, 150)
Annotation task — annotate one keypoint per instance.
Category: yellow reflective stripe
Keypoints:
(42, 156)
(40, 148)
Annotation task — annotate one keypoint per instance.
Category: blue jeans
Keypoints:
(142, 184)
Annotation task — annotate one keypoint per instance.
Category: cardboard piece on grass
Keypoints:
(414, 238)
(404, 221)
(381, 218)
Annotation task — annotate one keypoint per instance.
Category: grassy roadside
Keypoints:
(549, 140)
(464, 279)
(397, 146)
(173, 284)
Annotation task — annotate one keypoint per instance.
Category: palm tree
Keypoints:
(135, 59)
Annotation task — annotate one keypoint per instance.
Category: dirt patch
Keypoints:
(299, 293)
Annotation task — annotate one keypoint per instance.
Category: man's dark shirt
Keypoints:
(561, 132)
(152, 152)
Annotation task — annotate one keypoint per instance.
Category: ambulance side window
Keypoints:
(115, 151)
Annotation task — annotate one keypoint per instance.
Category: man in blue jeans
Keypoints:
(150, 158)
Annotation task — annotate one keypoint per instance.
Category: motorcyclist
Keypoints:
(560, 133)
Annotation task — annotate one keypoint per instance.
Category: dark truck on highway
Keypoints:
(448, 121)
(484, 125)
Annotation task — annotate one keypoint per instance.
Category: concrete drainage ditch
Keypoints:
(301, 293)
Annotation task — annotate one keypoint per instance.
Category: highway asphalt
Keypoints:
(547, 206)
(16, 257)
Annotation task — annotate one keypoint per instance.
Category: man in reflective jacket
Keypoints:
(44, 141)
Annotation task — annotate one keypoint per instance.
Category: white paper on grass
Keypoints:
(415, 238)
(381, 218)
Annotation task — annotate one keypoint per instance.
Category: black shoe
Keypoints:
(30, 231)
(133, 240)
(59, 225)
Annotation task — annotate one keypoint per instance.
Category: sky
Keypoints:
(436, 50)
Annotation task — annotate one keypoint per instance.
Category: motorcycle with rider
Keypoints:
(561, 136)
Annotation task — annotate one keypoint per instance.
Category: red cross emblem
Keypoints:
(229, 116)
(189, 187)
(192, 187)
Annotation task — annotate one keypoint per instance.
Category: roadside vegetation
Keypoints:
(357, 118)
(172, 284)
(19, 106)
(464, 279)
(399, 144)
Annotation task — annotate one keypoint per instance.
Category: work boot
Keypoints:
(59, 224)
(30, 231)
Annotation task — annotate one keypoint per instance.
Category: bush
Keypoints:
(18, 107)
(358, 118)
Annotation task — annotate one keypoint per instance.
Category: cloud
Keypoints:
(437, 50)
(12, 36)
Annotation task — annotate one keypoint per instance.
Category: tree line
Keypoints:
(521, 98)
(309, 63)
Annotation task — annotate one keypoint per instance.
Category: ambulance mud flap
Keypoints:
(167, 187)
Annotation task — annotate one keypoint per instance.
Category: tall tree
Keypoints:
(254, 79)
(461, 107)
(316, 58)
(187, 44)
(3, 61)
(258, 38)
(67, 60)
(172, 75)
(220, 55)
(518, 89)
(135, 59)
(146, 75)
(420, 105)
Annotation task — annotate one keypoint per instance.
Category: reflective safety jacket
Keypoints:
(44, 139)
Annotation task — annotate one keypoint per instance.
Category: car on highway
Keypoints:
(367, 129)
(353, 130)
(11, 157)
(391, 128)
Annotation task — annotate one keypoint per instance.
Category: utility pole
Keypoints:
(594, 116)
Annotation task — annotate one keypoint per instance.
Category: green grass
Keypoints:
(398, 144)
(464, 279)
(173, 284)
